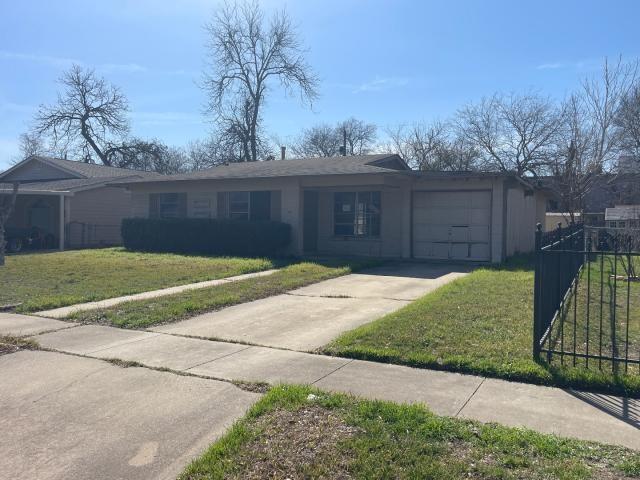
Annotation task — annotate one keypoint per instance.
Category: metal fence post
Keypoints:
(537, 284)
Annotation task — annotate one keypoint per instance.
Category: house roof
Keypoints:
(622, 212)
(344, 165)
(64, 185)
(79, 176)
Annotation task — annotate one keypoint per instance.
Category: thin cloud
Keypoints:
(379, 84)
(550, 66)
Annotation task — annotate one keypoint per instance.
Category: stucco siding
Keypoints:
(523, 210)
(95, 216)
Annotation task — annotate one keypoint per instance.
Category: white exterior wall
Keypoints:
(524, 211)
(94, 216)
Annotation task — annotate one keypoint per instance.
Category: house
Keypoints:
(622, 216)
(371, 205)
(67, 204)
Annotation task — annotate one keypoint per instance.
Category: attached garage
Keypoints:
(452, 225)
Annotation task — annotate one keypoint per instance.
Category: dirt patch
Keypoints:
(296, 445)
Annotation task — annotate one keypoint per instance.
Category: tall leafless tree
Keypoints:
(7, 204)
(432, 147)
(90, 121)
(359, 135)
(89, 116)
(325, 140)
(321, 140)
(247, 53)
(628, 120)
(515, 133)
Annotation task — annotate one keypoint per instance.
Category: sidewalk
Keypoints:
(64, 312)
(587, 416)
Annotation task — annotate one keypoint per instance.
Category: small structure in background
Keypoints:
(622, 216)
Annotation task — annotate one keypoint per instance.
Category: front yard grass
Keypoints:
(300, 432)
(480, 324)
(172, 308)
(42, 281)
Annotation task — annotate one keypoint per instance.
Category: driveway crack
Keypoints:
(334, 371)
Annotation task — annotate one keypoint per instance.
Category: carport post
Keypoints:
(61, 217)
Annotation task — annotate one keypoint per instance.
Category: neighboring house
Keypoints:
(371, 205)
(622, 216)
(67, 203)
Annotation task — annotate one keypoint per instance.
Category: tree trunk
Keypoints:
(92, 144)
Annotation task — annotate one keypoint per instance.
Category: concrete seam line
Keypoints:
(153, 334)
(470, 397)
(333, 371)
(218, 358)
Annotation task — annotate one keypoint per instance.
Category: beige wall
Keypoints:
(94, 216)
(509, 207)
(389, 244)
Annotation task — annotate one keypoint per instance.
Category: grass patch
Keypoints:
(171, 308)
(479, 324)
(300, 432)
(41, 281)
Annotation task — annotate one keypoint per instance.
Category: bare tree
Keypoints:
(88, 116)
(30, 144)
(6, 209)
(324, 140)
(432, 147)
(628, 120)
(246, 53)
(515, 133)
(318, 141)
(359, 135)
(603, 96)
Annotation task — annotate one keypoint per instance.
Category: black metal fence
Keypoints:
(587, 298)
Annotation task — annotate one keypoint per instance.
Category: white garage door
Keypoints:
(452, 225)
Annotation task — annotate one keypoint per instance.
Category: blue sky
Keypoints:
(387, 62)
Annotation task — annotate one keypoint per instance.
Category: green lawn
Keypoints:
(612, 330)
(144, 313)
(290, 434)
(480, 324)
(48, 280)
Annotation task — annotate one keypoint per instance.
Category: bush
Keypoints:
(205, 236)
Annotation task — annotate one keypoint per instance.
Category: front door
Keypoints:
(310, 222)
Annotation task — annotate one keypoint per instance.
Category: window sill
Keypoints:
(349, 238)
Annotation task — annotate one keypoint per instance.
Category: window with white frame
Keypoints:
(356, 214)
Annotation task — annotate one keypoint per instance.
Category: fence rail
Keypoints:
(587, 299)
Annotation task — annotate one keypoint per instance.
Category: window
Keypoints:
(168, 205)
(239, 205)
(356, 214)
(252, 206)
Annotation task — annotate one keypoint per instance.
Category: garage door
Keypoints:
(452, 225)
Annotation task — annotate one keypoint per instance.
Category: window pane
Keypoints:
(357, 213)
(260, 206)
(342, 229)
(239, 205)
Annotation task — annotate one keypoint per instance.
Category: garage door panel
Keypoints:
(452, 225)
(479, 233)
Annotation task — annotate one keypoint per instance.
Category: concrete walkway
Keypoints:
(64, 312)
(65, 417)
(603, 418)
(310, 317)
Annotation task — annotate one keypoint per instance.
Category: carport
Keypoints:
(39, 211)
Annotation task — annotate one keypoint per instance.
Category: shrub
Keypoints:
(205, 236)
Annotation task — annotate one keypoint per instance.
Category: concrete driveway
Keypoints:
(310, 317)
(68, 417)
